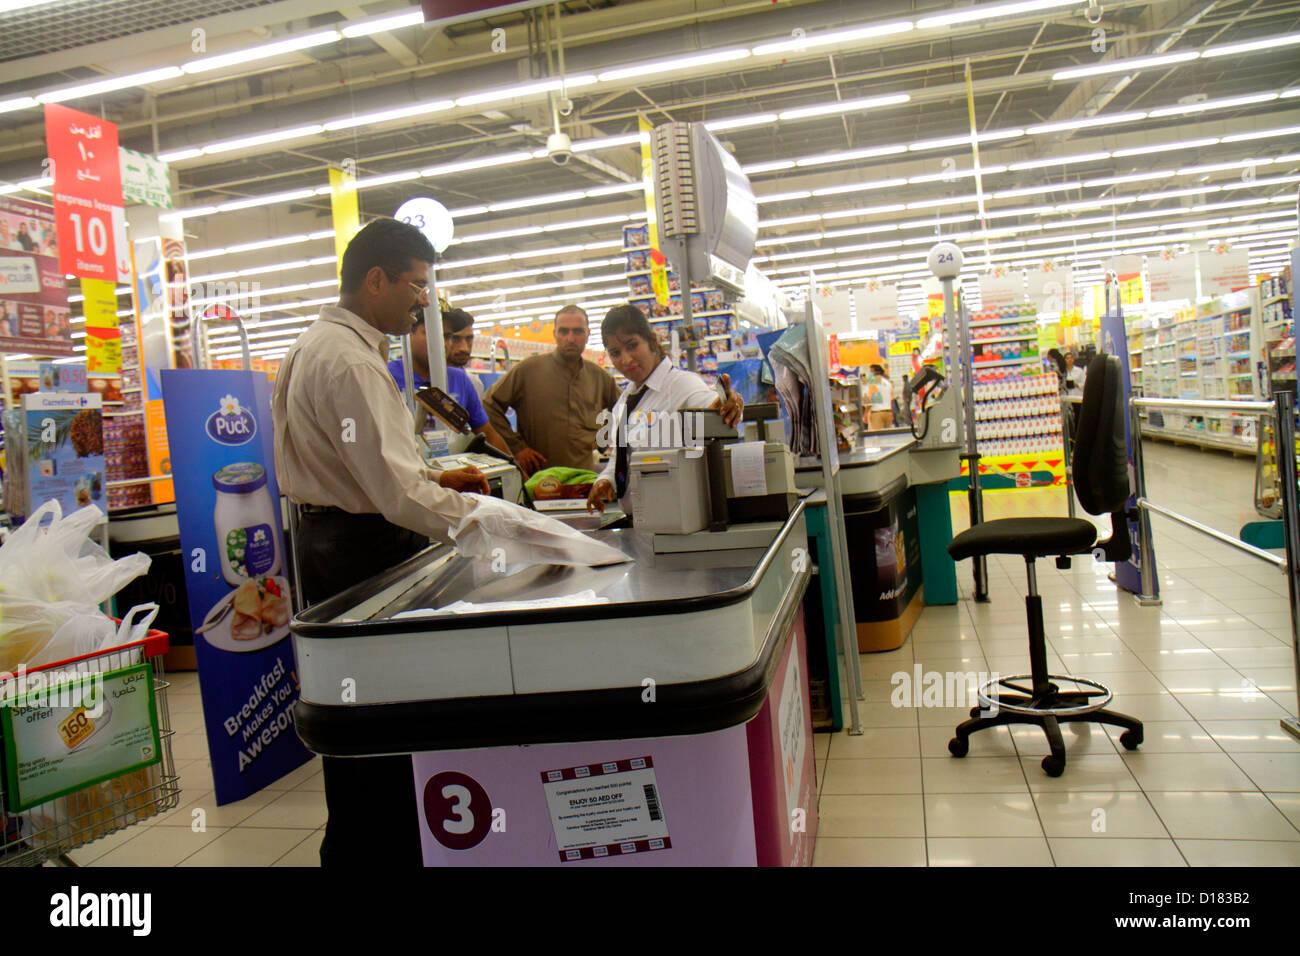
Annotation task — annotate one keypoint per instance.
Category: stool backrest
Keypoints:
(1100, 451)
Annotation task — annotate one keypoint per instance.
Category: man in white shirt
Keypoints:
(1074, 373)
(345, 451)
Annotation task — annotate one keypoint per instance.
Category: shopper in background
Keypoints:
(459, 386)
(1058, 365)
(458, 345)
(556, 398)
(345, 451)
(1074, 374)
(655, 384)
(878, 397)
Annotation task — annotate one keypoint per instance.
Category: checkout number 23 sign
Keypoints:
(457, 810)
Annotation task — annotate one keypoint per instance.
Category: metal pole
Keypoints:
(955, 319)
(684, 274)
(1286, 473)
(437, 355)
(408, 374)
(1217, 535)
(1146, 549)
(1066, 415)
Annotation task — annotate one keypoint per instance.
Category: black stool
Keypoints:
(1101, 480)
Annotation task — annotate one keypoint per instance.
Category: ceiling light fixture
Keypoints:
(262, 52)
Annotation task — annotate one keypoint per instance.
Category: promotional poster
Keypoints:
(237, 574)
(65, 449)
(34, 314)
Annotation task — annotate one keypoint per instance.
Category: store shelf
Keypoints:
(1006, 338)
(1246, 445)
(1023, 360)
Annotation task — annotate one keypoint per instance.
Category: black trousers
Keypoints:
(373, 816)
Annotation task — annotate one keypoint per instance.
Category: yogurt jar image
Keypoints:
(245, 523)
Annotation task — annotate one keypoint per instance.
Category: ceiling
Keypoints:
(1011, 59)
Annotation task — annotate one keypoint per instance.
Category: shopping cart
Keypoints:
(49, 831)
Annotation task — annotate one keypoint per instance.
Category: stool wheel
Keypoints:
(1054, 765)
(958, 747)
(975, 712)
(1131, 739)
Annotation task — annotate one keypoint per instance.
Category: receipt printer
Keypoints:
(757, 492)
(502, 477)
(668, 490)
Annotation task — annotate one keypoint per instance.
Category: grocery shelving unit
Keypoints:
(1278, 323)
(846, 402)
(1017, 409)
(1212, 353)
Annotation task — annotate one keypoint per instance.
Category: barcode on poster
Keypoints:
(652, 802)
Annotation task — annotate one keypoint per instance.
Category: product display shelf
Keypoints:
(1277, 319)
(715, 332)
(1017, 409)
(846, 401)
(1209, 355)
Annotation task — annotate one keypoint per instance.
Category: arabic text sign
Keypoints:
(87, 194)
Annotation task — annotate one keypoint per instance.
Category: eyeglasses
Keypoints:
(421, 292)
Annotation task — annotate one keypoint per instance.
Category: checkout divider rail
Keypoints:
(1283, 410)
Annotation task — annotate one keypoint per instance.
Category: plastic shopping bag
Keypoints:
(90, 632)
(59, 562)
(503, 532)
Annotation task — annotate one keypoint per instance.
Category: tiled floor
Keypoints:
(1209, 672)
(1216, 782)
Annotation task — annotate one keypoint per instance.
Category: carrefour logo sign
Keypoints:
(231, 424)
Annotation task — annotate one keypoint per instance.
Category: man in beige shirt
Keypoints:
(556, 398)
(345, 451)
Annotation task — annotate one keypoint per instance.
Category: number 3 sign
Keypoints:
(457, 810)
(89, 219)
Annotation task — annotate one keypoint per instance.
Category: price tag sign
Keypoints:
(65, 731)
(88, 209)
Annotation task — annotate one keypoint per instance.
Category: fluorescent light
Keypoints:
(839, 190)
(1088, 123)
(367, 182)
(525, 89)
(740, 122)
(109, 84)
(1251, 45)
(260, 139)
(1134, 178)
(177, 155)
(836, 36)
(384, 24)
(1225, 103)
(850, 155)
(1123, 66)
(948, 141)
(383, 116)
(1294, 91)
(290, 196)
(602, 142)
(988, 12)
(674, 64)
(537, 200)
(1059, 161)
(1176, 193)
(1165, 147)
(1035, 190)
(769, 167)
(483, 162)
(846, 106)
(1260, 134)
(248, 55)
(17, 103)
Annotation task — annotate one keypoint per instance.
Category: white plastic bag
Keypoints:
(51, 573)
(500, 531)
(90, 632)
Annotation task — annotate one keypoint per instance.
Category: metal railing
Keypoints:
(1282, 409)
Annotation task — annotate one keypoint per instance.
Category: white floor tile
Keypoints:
(1247, 736)
(1240, 853)
(246, 847)
(1272, 771)
(1222, 816)
(988, 851)
(1186, 772)
(876, 775)
(1098, 815)
(981, 815)
(1110, 853)
(856, 851)
(964, 775)
(872, 816)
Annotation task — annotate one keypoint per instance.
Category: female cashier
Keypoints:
(655, 384)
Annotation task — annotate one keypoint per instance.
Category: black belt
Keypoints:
(321, 510)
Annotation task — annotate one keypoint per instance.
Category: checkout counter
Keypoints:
(898, 524)
(653, 713)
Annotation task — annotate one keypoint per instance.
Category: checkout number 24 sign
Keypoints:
(457, 810)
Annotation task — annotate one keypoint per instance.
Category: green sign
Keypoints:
(145, 180)
(65, 731)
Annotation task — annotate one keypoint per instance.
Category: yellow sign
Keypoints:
(343, 207)
(103, 340)
(658, 265)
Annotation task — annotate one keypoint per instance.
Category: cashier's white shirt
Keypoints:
(668, 389)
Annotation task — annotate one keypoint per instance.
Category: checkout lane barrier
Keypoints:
(1282, 410)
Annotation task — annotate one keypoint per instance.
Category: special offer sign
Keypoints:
(87, 195)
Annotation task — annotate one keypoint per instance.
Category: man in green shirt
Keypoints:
(557, 398)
